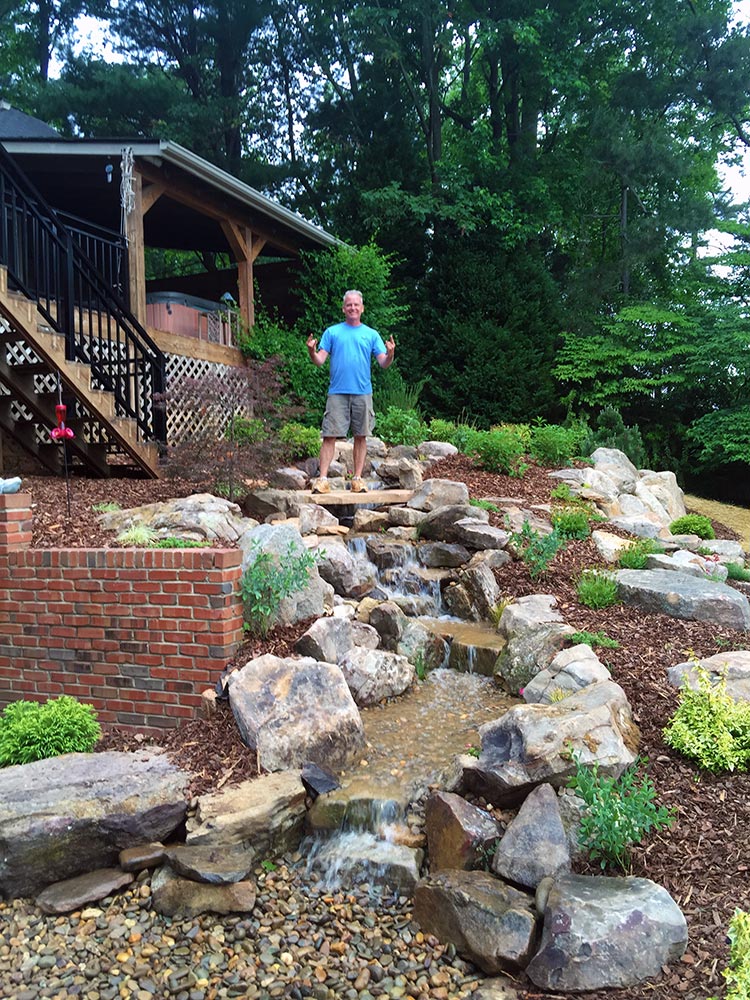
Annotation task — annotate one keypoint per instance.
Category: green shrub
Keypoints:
(635, 556)
(710, 727)
(736, 571)
(246, 430)
(609, 431)
(397, 426)
(693, 524)
(498, 451)
(619, 812)
(571, 522)
(32, 731)
(171, 542)
(737, 976)
(562, 492)
(300, 441)
(597, 589)
(535, 549)
(522, 433)
(485, 505)
(553, 444)
(594, 639)
(441, 430)
(270, 578)
(105, 507)
(138, 535)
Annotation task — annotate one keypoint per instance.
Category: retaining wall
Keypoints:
(138, 633)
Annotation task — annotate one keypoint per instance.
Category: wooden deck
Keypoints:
(345, 498)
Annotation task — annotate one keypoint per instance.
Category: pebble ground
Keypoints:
(301, 940)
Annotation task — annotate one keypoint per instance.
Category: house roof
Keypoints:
(16, 124)
(71, 176)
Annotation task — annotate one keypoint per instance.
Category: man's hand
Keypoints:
(390, 346)
(312, 343)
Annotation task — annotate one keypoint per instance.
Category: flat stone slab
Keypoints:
(683, 596)
(340, 498)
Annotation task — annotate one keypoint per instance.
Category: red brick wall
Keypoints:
(138, 633)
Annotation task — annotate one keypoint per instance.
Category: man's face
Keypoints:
(353, 309)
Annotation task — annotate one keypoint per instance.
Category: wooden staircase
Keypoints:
(32, 367)
(67, 336)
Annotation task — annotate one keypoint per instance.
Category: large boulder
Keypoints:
(349, 576)
(570, 671)
(532, 744)
(174, 896)
(488, 922)
(435, 493)
(440, 523)
(375, 674)
(475, 595)
(606, 933)
(293, 710)
(459, 835)
(535, 632)
(329, 639)
(535, 845)
(200, 517)
(264, 815)
(683, 596)
(616, 464)
(73, 814)
(733, 666)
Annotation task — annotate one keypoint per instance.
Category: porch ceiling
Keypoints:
(71, 176)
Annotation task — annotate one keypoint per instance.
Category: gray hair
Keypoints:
(353, 291)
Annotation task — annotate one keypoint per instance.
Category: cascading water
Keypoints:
(405, 581)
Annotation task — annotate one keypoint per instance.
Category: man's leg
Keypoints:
(359, 455)
(327, 449)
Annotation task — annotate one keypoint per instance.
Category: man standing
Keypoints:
(350, 345)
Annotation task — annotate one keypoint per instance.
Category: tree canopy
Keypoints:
(540, 175)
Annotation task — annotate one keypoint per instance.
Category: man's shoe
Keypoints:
(321, 486)
(359, 485)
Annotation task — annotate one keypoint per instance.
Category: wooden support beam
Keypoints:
(136, 255)
(151, 195)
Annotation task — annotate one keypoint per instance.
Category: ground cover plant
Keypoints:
(701, 859)
(31, 730)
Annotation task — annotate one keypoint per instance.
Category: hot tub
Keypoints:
(189, 316)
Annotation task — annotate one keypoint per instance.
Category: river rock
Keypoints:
(349, 577)
(459, 835)
(733, 665)
(405, 517)
(475, 594)
(682, 596)
(442, 555)
(73, 893)
(293, 710)
(264, 815)
(375, 674)
(422, 646)
(313, 517)
(216, 864)
(532, 744)
(74, 813)
(488, 922)
(440, 523)
(476, 535)
(385, 553)
(329, 639)
(433, 450)
(137, 859)
(535, 845)
(173, 896)
(435, 493)
(606, 933)
(534, 633)
(570, 670)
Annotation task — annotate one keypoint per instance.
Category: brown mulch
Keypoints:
(703, 861)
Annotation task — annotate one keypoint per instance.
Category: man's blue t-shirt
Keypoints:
(350, 349)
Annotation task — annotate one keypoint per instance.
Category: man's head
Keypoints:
(353, 307)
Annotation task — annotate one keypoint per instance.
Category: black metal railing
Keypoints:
(106, 249)
(47, 264)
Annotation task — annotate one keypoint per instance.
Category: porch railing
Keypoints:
(46, 263)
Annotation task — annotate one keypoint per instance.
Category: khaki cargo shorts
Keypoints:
(347, 413)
